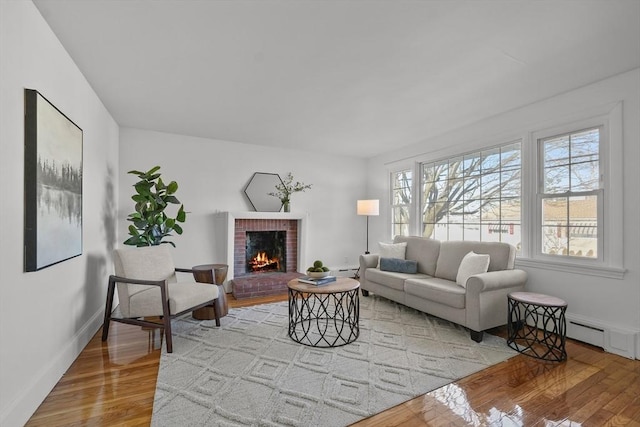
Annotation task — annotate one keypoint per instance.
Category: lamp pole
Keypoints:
(367, 251)
(368, 208)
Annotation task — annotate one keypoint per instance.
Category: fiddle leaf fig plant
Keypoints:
(151, 224)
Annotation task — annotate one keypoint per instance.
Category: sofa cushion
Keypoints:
(437, 290)
(390, 279)
(423, 250)
(502, 256)
(393, 250)
(471, 264)
(399, 265)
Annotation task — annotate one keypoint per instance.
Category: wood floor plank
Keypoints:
(113, 383)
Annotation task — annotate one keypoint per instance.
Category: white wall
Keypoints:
(212, 175)
(611, 302)
(47, 317)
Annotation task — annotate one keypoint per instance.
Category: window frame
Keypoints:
(610, 260)
(393, 206)
(610, 118)
(541, 196)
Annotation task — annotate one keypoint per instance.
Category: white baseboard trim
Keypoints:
(27, 400)
(346, 271)
(612, 338)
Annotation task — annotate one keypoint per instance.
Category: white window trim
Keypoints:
(572, 267)
(411, 207)
(611, 264)
(602, 144)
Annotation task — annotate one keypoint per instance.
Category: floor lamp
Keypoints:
(368, 208)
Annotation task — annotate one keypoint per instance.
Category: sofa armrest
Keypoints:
(486, 299)
(368, 261)
(494, 280)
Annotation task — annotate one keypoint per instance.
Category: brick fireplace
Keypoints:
(245, 226)
(245, 282)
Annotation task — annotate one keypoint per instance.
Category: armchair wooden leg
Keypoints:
(216, 313)
(364, 293)
(107, 309)
(167, 333)
(166, 318)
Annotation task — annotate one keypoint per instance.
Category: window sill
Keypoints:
(576, 268)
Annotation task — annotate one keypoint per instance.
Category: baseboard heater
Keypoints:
(344, 271)
(611, 338)
(587, 326)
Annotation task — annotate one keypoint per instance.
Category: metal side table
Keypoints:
(537, 326)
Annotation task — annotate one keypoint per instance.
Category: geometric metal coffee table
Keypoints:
(324, 316)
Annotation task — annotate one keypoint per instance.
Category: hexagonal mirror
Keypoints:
(258, 189)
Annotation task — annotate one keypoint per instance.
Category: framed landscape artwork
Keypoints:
(53, 184)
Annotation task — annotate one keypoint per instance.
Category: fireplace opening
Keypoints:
(266, 251)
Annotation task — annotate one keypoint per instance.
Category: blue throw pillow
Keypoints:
(399, 265)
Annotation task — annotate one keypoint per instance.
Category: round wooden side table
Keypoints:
(537, 326)
(215, 274)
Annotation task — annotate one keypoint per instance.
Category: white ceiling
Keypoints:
(355, 78)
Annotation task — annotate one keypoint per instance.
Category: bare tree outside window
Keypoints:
(476, 196)
(401, 187)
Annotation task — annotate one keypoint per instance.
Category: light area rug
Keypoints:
(249, 372)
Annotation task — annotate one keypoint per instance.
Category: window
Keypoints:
(570, 194)
(476, 196)
(553, 194)
(401, 183)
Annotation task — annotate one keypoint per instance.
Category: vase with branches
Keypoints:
(286, 189)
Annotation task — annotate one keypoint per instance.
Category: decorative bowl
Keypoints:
(318, 274)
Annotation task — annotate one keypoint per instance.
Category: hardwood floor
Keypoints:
(113, 383)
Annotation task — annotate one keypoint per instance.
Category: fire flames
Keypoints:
(262, 262)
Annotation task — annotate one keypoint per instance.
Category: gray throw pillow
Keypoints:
(399, 265)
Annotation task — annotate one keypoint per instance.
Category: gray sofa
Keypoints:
(433, 289)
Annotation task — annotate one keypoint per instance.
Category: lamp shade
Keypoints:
(368, 207)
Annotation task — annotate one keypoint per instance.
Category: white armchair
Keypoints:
(148, 287)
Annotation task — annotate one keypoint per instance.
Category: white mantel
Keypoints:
(229, 219)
